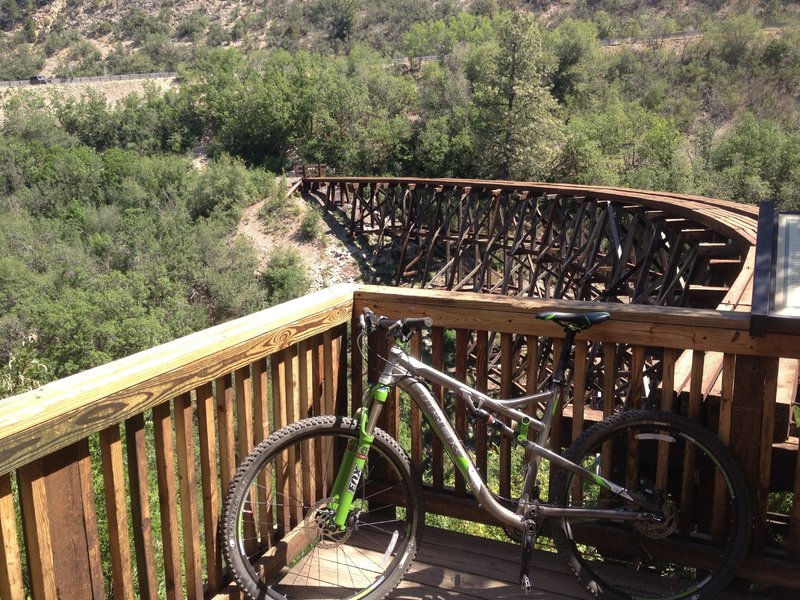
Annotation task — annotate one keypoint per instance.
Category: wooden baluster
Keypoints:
(578, 401)
(462, 341)
(579, 389)
(342, 354)
(209, 477)
(167, 499)
(506, 383)
(668, 379)
(244, 411)
(417, 442)
(437, 462)
(117, 511)
(318, 374)
(718, 513)
(36, 522)
(609, 403)
(556, 435)
(11, 582)
(689, 458)
(280, 418)
(635, 394)
(260, 401)
(305, 378)
(328, 371)
(244, 420)
(187, 480)
(667, 404)
(760, 508)
(61, 525)
(636, 390)
(482, 385)
(292, 395)
(356, 370)
(532, 367)
(531, 378)
(223, 394)
(136, 443)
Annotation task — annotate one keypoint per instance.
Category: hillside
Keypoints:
(66, 37)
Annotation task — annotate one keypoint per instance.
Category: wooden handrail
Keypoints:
(667, 327)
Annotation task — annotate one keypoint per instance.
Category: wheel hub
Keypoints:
(663, 528)
(321, 516)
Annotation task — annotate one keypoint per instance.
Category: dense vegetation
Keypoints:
(113, 241)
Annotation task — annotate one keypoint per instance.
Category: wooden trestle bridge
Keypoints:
(563, 242)
(551, 240)
(111, 480)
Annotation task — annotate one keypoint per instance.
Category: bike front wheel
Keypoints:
(278, 536)
(702, 528)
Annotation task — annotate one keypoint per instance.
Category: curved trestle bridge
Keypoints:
(552, 240)
(561, 241)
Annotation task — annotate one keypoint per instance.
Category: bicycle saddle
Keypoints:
(574, 321)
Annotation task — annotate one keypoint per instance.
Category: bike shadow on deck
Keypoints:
(452, 565)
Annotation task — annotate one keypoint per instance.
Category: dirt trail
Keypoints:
(327, 259)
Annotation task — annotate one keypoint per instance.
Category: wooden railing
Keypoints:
(111, 480)
(469, 326)
(106, 459)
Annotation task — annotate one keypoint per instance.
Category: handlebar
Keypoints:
(402, 328)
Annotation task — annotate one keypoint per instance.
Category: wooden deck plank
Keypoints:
(452, 565)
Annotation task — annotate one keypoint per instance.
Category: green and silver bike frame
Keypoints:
(408, 373)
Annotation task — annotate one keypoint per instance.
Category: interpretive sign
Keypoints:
(787, 268)
(776, 284)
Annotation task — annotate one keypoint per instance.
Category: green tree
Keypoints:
(579, 58)
(757, 161)
(736, 39)
(516, 123)
(19, 61)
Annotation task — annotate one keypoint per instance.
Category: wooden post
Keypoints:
(11, 585)
(750, 434)
(61, 525)
(140, 506)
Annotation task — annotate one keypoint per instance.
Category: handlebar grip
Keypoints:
(418, 323)
(373, 322)
(387, 323)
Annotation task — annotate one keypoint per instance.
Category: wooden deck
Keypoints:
(455, 565)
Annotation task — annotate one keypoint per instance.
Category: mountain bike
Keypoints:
(643, 504)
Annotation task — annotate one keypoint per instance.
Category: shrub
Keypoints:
(277, 206)
(284, 277)
(227, 186)
(311, 226)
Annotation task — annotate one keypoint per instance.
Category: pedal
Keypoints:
(528, 543)
(525, 584)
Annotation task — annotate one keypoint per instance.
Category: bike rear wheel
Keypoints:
(676, 464)
(277, 529)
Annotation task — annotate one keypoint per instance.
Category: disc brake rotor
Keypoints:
(321, 517)
(663, 529)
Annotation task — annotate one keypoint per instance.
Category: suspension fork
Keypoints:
(355, 455)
